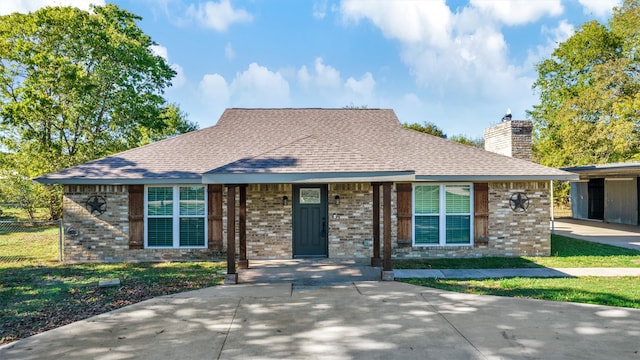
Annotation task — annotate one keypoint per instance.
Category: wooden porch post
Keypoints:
(232, 276)
(387, 268)
(243, 263)
(375, 259)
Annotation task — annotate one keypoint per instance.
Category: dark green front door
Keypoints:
(310, 220)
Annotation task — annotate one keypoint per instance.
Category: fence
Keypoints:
(30, 241)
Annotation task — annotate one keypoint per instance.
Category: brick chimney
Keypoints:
(510, 138)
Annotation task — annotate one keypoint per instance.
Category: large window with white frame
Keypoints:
(442, 214)
(175, 216)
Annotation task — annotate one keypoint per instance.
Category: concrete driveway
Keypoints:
(361, 320)
(627, 236)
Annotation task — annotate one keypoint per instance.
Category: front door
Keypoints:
(310, 214)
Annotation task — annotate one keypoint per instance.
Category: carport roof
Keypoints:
(303, 145)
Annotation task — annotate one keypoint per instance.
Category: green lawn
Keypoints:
(565, 252)
(35, 298)
(29, 242)
(612, 291)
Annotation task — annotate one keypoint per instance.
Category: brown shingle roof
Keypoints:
(302, 141)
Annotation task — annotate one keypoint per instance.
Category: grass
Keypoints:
(611, 291)
(35, 298)
(565, 253)
(29, 242)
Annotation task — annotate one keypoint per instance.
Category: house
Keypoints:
(607, 192)
(283, 183)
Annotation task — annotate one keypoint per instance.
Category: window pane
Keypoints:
(458, 229)
(309, 196)
(427, 199)
(427, 229)
(160, 201)
(192, 200)
(191, 231)
(458, 199)
(160, 232)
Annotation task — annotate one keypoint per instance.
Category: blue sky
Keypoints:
(459, 64)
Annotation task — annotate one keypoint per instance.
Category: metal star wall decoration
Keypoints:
(519, 202)
(96, 205)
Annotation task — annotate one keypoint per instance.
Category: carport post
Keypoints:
(232, 276)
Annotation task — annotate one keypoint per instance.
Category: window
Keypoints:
(442, 214)
(175, 216)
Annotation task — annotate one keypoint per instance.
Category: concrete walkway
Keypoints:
(361, 320)
(506, 273)
(627, 236)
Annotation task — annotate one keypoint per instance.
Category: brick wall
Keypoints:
(105, 237)
(510, 138)
(510, 233)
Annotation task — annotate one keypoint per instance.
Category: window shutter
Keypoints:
(404, 214)
(214, 217)
(481, 213)
(136, 216)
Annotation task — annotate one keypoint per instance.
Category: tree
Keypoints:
(427, 128)
(589, 109)
(78, 85)
(477, 142)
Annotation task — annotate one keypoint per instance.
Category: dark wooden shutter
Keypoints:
(481, 213)
(136, 216)
(214, 216)
(404, 214)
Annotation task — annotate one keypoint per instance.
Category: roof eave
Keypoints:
(319, 177)
(567, 177)
(102, 181)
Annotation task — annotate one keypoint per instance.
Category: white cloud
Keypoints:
(518, 12)
(407, 21)
(259, 87)
(323, 76)
(320, 9)
(25, 6)
(180, 79)
(229, 54)
(217, 16)
(363, 87)
(214, 91)
(599, 8)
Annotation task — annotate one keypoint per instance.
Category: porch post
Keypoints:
(232, 276)
(375, 259)
(243, 263)
(387, 268)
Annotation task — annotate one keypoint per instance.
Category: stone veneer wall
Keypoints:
(510, 233)
(269, 234)
(105, 238)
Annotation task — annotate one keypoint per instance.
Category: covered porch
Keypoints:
(375, 223)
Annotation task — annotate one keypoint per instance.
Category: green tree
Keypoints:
(78, 85)
(427, 128)
(589, 109)
(477, 142)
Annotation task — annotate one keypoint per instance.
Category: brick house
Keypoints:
(283, 183)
